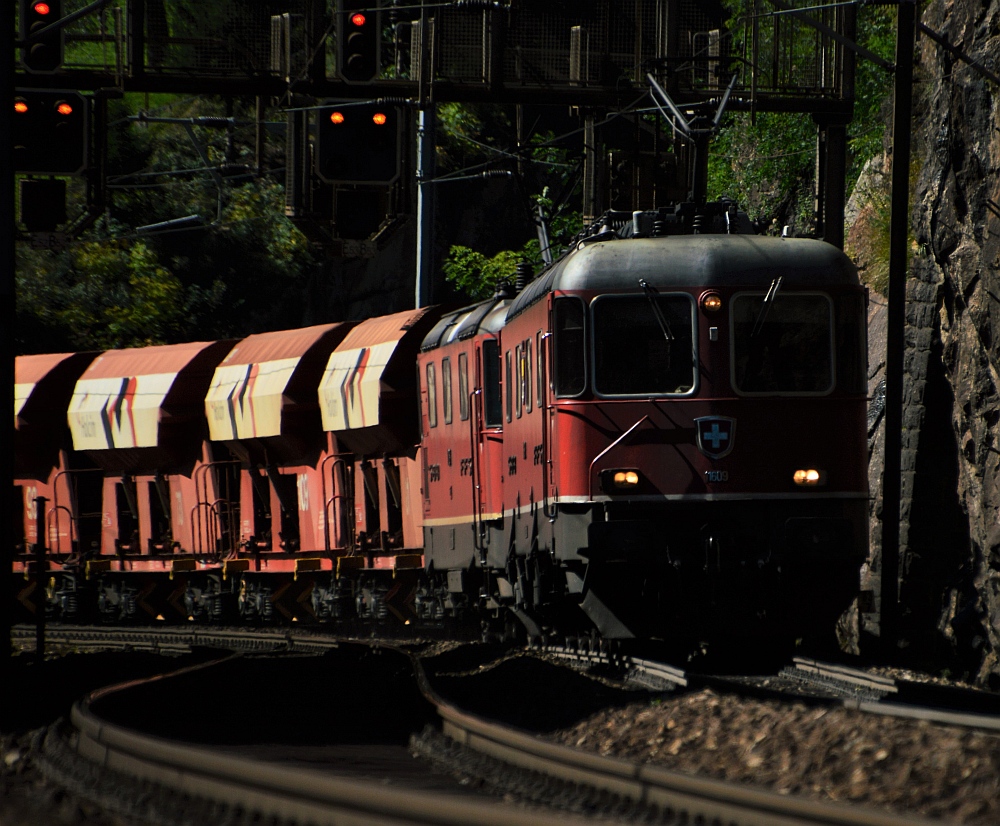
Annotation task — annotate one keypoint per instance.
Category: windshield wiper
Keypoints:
(657, 312)
(768, 301)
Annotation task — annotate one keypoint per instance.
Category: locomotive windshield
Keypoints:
(643, 345)
(783, 346)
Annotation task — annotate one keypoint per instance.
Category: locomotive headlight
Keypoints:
(619, 480)
(626, 479)
(809, 477)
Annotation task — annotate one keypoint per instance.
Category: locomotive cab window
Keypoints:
(643, 345)
(784, 346)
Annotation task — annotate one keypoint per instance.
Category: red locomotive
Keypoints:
(664, 433)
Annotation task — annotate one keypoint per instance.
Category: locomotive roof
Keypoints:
(487, 316)
(692, 261)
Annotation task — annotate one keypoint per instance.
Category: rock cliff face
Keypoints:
(950, 535)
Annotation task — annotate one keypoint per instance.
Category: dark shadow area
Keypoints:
(36, 694)
(937, 557)
(353, 694)
(531, 694)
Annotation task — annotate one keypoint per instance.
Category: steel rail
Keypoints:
(652, 674)
(689, 798)
(268, 790)
(843, 681)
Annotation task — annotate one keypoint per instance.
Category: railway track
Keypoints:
(240, 787)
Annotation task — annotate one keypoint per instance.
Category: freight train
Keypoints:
(663, 434)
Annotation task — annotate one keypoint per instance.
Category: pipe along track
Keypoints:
(244, 788)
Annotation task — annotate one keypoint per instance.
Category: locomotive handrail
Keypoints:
(608, 449)
(475, 431)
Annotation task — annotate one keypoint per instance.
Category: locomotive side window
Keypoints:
(492, 403)
(519, 379)
(446, 389)
(540, 368)
(509, 385)
(783, 347)
(570, 364)
(643, 345)
(463, 386)
(526, 375)
(432, 400)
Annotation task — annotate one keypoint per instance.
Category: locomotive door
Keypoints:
(544, 401)
(488, 434)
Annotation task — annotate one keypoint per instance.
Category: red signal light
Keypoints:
(358, 19)
(20, 106)
(337, 117)
(41, 8)
(63, 108)
(379, 118)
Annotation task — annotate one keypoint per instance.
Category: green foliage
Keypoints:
(474, 137)
(476, 275)
(872, 87)
(468, 135)
(98, 296)
(244, 272)
(123, 296)
(767, 165)
(767, 162)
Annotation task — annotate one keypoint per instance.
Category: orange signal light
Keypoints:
(358, 19)
(336, 117)
(20, 106)
(41, 8)
(711, 302)
(379, 118)
(64, 108)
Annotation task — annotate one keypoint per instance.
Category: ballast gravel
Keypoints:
(826, 753)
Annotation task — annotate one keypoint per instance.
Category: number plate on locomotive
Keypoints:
(716, 475)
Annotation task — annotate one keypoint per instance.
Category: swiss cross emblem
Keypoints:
(716, 435)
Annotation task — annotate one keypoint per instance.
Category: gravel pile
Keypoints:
(827, 753)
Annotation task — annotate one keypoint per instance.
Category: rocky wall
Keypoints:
(950, 536)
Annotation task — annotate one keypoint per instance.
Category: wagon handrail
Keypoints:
(72, 527)
(328, 511)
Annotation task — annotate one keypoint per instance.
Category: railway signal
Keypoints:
(50, 131)
(358, 144)
(358, 40)
(41, 54)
